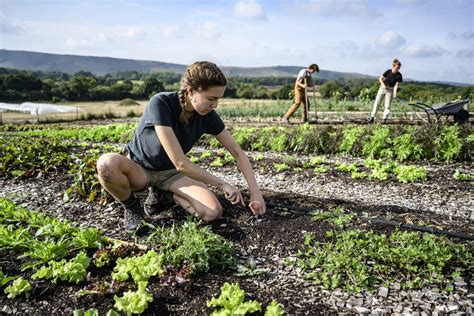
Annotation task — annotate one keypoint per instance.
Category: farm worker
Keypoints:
(303, 80)
(156, 156)
(388, 86)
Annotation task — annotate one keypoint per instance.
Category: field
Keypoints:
(326, 109)
(361, 220)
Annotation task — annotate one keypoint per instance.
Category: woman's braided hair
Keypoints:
(200, 76)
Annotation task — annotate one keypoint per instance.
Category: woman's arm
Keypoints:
(186, 167)
(395, 90)
(382, 81)
(257, 204)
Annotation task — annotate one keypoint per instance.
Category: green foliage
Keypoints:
(5, 279)
(357, 260)
(197, 246)
(73, 271)
(359, 175)
(448, 143)
(406, 148)
(134, 302)
(231, 301)
(321, 169)
(335, 217)
(347, 167)
(218, 162)
(281, 167)
(407, 174)
(314, 161)
(89, 312)
(351, 136)
(139, 268)
(258, 157)
(458, 175)
(378, 144)
(274, 309)
(18, 287)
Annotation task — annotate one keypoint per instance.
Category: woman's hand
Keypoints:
(232, 194)
(257, 204)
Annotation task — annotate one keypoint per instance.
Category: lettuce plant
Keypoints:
(134, 302)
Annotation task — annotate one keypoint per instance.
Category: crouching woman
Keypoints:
(155, 157)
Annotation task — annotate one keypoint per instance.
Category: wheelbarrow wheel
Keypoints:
(461, 117)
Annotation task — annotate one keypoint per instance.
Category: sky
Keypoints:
(434, 39)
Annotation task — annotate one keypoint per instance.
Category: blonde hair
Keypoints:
(199, 76)
(396, 62)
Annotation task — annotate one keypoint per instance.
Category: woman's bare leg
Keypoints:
(196, 198)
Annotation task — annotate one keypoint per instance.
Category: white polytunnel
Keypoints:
(37, 108)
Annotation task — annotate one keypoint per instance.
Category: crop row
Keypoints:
(403, 143)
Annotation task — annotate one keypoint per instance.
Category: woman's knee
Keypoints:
(210, 213)
(108, 165)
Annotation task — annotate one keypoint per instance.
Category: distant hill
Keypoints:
(46, 62)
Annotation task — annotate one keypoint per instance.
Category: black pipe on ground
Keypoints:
(431, 230)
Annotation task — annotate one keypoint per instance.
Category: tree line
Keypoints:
(20, 85)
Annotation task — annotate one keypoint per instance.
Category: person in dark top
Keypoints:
(155, 157)
(388, 86)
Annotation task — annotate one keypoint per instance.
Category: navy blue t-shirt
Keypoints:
(164, 109)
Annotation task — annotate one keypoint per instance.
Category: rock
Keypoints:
(395, 286)
(440, 309)
(452, 307)
(362, 310)
(383, 292)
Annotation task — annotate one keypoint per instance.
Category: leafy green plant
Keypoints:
(250, 270)
(359, 175)
(378, 144)
(218, 162)
(357, 260)
(5, 279)
(73, 271)
(274, 309)
(197, 246)
(448, 143)
(458, 175)
(258, 157)
(231, 301)
(89, 312)
(337, 217)
(281, 167)
(347, 167)
(140, 268)
(321, 169)
(314, 161)
(351, 136)
(18, 287)
(134, 302)
(410, 173)
(405, 146)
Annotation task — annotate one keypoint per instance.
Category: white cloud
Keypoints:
(465, 53)
(338, 8)
(469, 35)
(10, 26)
(171, 31)
(131, 33)
(249, 9)
(424, 51)
(391, 40)
(208, 30)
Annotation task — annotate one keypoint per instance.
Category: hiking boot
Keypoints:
(157, 201)
(371, 120)
(133, 216)
(285, 120)
(384, 121)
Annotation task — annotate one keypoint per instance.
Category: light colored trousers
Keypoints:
(388, 101)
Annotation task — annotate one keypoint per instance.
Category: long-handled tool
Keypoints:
(314, 104)
(306, 97)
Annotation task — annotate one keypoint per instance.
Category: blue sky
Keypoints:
(434, 39)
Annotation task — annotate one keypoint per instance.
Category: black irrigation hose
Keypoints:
(383, 221)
